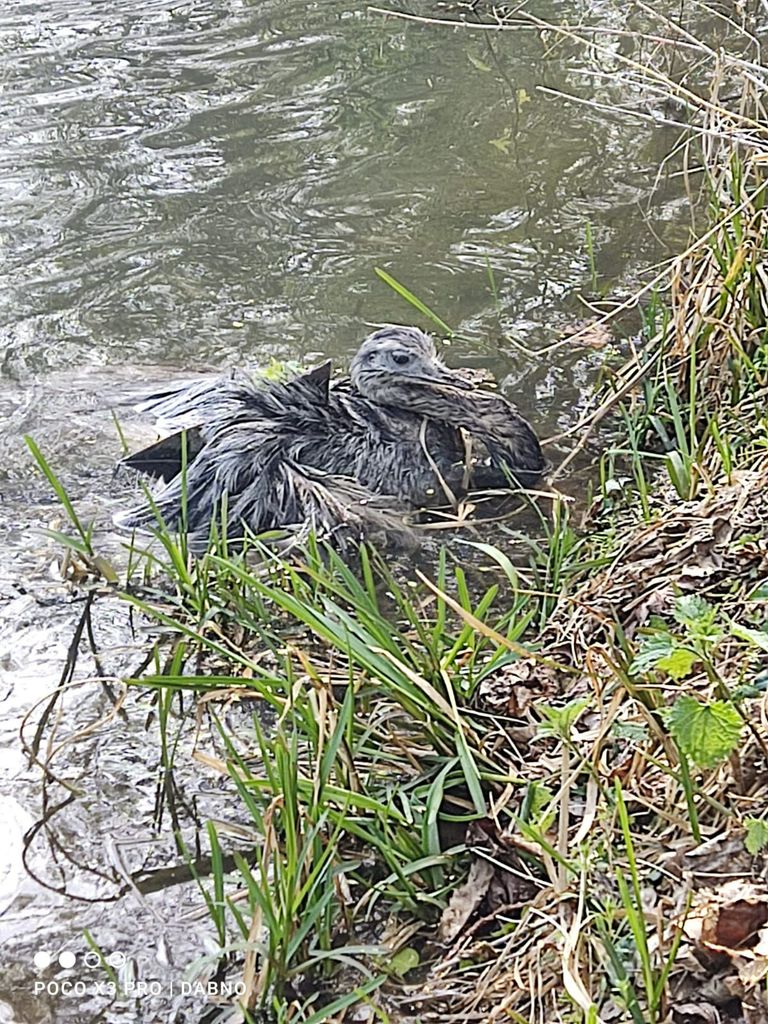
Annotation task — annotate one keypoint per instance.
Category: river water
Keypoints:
(199, 184)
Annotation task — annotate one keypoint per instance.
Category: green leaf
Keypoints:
(325, 1013)
(693, 610)
(664, 652)
(61, 494)
(652, 650)
(499, 556)
(757, 835)
(749, 691)
(707, 733)
(679, 471)
(633, 731)
(698, 616)
(278, 370)
(540, 802)
(105, 568)
(752, 636)
(541, 797)
(678, 663)
(559, 721)
(471, 774)
(408, 295)
(405, 960)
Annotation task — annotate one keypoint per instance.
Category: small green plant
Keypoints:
(626, 959)
(82, 544)
(706, 731)
(556, 558)
(756, 839)
(677, 651)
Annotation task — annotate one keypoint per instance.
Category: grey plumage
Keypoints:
(347, 459)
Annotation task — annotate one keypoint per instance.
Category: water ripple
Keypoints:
(218, 178)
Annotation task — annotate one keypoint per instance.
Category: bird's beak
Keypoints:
(442, 375)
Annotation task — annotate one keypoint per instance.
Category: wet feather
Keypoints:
(346, 459)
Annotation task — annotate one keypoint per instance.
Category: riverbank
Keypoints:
(526, 791)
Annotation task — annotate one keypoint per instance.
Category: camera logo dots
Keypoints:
(66, 959)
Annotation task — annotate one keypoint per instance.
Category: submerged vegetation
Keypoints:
(516, 791)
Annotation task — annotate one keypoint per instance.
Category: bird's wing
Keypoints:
(165, 458)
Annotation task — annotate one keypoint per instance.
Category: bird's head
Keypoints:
(402, 357)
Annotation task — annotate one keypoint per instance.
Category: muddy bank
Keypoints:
(97, 819)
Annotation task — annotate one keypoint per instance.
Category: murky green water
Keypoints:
(213, 182)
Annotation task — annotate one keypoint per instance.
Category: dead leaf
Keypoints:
(592, 334)
(738, 924)
(465, 900)
(692, 1013)
(732, 920)
(515, 687)
(719, 857)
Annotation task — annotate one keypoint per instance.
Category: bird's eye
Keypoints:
(401, 358)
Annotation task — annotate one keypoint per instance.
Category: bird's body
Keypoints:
(345, 457)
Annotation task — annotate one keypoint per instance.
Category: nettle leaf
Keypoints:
(652, 650)
(699, 618)
(707, 733)
(756, 838)
(666, 653)
(693, 610)
(630, 731)
(679, 663)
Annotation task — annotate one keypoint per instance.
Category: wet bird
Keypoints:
(347, 459)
